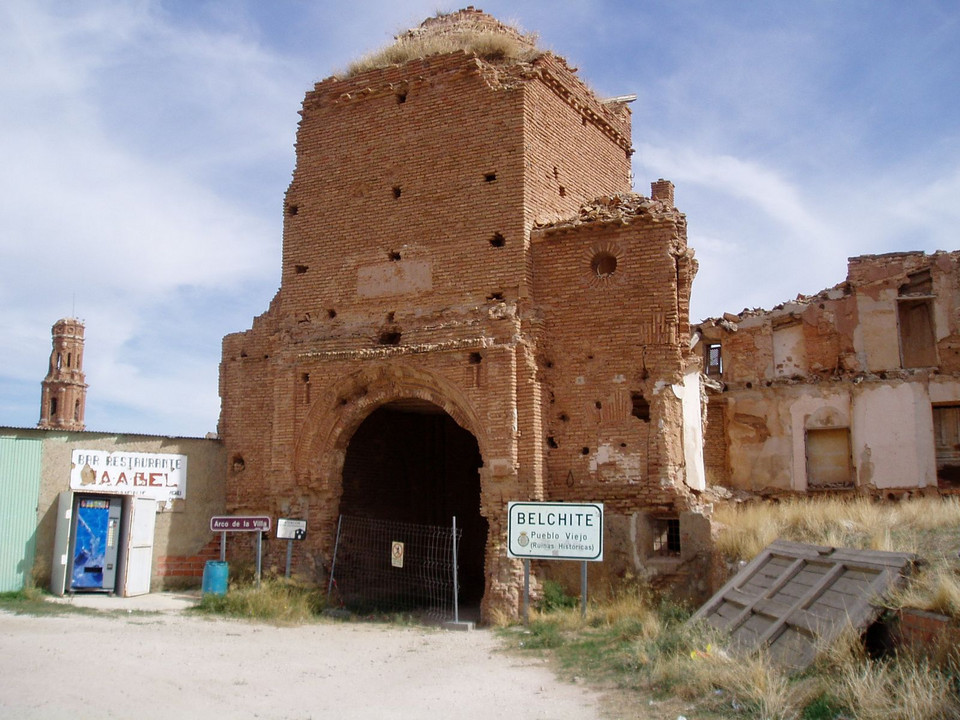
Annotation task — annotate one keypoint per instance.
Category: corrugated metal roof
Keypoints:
(792, 597)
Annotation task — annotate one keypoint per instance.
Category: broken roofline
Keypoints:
(832, 293)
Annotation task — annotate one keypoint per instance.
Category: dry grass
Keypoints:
(491, 46)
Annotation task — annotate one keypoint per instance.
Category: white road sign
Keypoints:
(555, 530)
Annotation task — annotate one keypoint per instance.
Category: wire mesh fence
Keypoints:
(394, 566)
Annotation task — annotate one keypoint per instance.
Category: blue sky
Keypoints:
(147, 145)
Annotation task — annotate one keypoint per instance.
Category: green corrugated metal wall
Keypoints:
(20, 461)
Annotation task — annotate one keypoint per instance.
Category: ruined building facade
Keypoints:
(856, 388)
(64, 392)
(473, 309)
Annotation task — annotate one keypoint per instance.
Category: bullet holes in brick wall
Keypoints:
(292, 209)
(498, 240)
(237, 465)
(397, 192)
(401, 97)
(300, 269)
(640, 407)
(391, 334)
(495, 296)
(551, 442)
(490, 177)
(394, 256)
(331, 313)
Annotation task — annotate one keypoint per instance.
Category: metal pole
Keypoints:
(259, 550)
(456, 587)
(583, 590)
(289, 556)
(223, 546)
(526, 591)
(333, 563)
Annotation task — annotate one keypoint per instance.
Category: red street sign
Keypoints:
(240, 523)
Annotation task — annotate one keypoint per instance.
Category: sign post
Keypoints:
(241, 523)
(291, 530)
(555, 531)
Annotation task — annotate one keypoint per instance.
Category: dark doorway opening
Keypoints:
(409, 461)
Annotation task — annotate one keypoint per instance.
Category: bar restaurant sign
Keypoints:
(157, 476)
(555, 531)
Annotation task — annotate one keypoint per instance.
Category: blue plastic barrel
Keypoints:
(215, 574)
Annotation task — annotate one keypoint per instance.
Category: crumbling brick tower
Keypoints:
(64, 392)
(445, 338)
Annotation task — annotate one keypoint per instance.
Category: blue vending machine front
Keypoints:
(96, 535)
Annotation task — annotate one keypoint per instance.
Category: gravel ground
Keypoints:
(156, 662)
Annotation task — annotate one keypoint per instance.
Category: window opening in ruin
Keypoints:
(396, 191)
(292, 209)
(238, 463)
(563, 191)
(59, 361)
(713, 359)
(495, 296)
(410, 462)
(666, 536)
(331, 313)
(53, 407)
(69, 358)
(391, 316)
(829, 465)
(301, 269)
(946, 435)
(918, 283)
(641, 408)
(490, 177)
(604, 264)
(918, 345)
(389, 337)
(401, 98)
(476, 358)
(498, 240)
(76, 411)
(393, 255)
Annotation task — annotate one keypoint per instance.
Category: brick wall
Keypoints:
(408, 275)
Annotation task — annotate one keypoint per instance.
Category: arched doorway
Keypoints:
(409, 461)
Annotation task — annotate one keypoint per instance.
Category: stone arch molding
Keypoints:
(321, 444)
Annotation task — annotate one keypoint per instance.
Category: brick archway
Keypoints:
(320, 450)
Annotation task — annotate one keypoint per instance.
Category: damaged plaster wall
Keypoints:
(848, 389)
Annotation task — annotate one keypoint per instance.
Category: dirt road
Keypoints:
(172, 665)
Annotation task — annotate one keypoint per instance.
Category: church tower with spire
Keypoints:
(64, 389)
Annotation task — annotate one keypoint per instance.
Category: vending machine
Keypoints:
(103, 543)
(96, 543)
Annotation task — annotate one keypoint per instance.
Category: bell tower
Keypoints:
(64, 391)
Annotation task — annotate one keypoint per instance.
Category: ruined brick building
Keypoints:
(474, 309)
(855, 389)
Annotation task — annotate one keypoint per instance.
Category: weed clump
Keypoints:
(277, 601)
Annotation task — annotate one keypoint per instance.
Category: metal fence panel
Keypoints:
(20, 462)
(369, 575)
